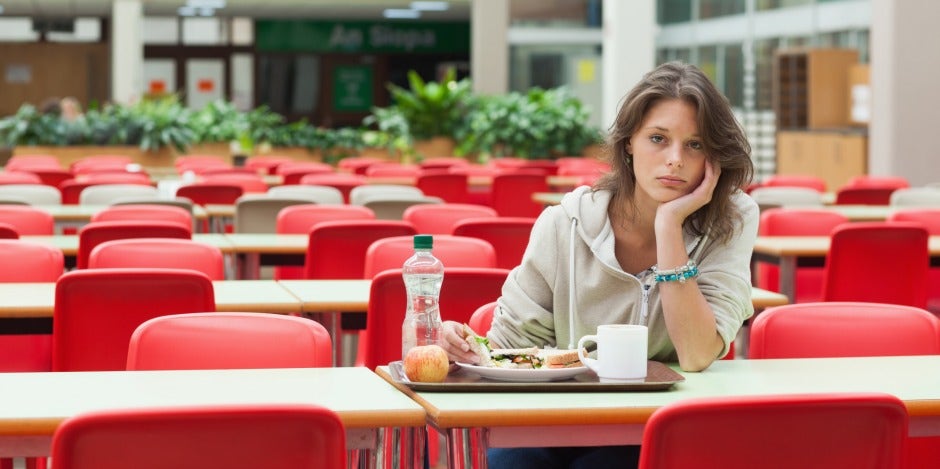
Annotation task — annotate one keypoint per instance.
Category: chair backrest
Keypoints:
(796, 222)
(512, 194)
(393, 207)
(27, 220)
(258, 214)
(341, 181)
(97, 310)
(482, 319)
(795, 180)
(145, 212)
(250, 183)
(388, 169)
(928, 217)
(325, 195)
(267, 164)
(843, 329)
(848, 430)
(302, 218)
(220, 340)
(864, 195)
(787, 196)
(450, 187)
(337, 249)
(869, 180)
(211, 193)
(169, 253)
(293, 175)
(464, 289)
(106, 194)
(358, 164)
(209, 437)
(33, 194)
(441, 218)
(30, 262)
(52, 176)
(358, 195)
(916, 197)
(878, 262)
(453, 251)
(8, 231)
(95, 233)
(508, 235)
(17, 177)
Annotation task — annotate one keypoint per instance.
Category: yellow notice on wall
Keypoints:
(587, 71)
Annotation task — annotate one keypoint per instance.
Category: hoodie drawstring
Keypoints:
(572, 300)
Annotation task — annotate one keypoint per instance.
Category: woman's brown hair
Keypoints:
(723, 138)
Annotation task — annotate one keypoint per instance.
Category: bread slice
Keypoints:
(565, 358)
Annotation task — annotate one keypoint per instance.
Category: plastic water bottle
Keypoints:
(423, 274)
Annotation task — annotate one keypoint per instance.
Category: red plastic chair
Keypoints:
(450, 187)
(250, 183)
(197, 341)
(864, 195)
(795, 180)
(51, 176)
(843, 329)
(796, 222)
(27, 220)
(879, 263)
(97, 310)
(203, 193)
(115, 177)
(166, 253)
(8, 231)
(441, 218)
(95, 233)
(302, 218)
(462, 292)
(337, 249)
(197, 163)
(508, 235)
(208, 437)
(867, 180)
(358, 164)
(145, 212)
(512, 193)
(453, 251)
(229, 171)
(267, 164)
(19, 162)
(481, 319)
(834, 430)
(28, 262)
(294, 173)
(16, 177)
(344, 182)
(387, 169)
(929, 218)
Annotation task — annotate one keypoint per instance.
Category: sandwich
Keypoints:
(530, 357)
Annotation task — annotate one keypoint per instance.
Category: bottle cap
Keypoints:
(424, 241)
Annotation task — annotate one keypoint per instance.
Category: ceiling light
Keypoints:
(205, 11)
(430, 6)
(401, 13)
(214, 4)
(186, 11)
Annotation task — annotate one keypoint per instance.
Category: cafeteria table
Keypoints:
(806, 251)
(76, 215)
(34, 404)
(546, 417)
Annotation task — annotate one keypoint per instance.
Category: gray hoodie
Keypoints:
(538, 295)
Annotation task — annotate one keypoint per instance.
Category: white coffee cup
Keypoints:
(621, 352)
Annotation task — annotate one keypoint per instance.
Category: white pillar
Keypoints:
(905, 96)
(127, 51)
(489, 48)
(629, 50)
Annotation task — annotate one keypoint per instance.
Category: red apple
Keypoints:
(426, 364)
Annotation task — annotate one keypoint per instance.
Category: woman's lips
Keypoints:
(670, 181)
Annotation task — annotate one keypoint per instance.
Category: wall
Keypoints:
(54, 70)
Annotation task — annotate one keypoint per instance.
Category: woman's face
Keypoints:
(668, 153)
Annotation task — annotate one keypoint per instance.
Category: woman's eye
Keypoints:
(657, 138)
(696, 145)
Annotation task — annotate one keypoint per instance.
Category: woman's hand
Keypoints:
(680, 208)
(453, 341)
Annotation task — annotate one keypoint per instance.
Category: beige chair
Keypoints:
(392, 207)
(359, 194)
(916, 197)
(32, 194)
(325, 195)
(107, 194)
(258, 213)
(787, 197)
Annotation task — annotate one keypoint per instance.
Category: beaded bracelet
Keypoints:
(680, 274)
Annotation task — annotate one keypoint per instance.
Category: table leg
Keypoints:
(788, 277)
(332, 322)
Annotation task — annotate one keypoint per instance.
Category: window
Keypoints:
(716, 8)
(673, 11)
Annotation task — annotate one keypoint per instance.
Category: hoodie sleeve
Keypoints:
(523, 317)
(725, 274)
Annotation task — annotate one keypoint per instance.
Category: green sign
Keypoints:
(361, 36)
(352, 88)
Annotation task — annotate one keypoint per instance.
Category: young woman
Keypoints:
(663, 240)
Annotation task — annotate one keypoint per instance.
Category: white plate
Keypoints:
(524, 374)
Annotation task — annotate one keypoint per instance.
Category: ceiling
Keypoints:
(326, 9)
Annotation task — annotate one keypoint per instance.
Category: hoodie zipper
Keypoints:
(645, 306)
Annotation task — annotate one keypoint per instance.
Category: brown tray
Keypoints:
(659, 377)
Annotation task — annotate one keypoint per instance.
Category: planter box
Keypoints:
(296, 153)
(70, 154)
(437, 146)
